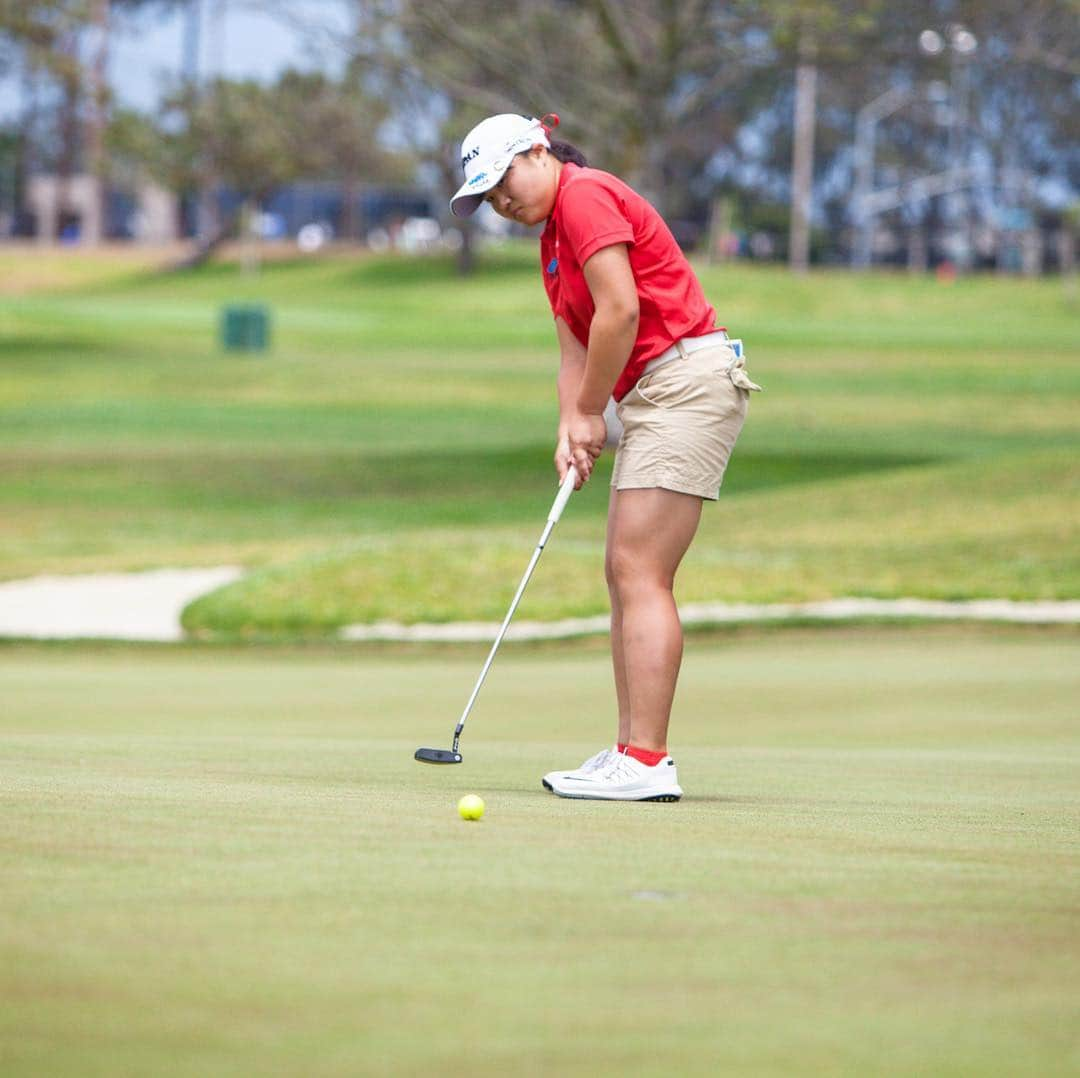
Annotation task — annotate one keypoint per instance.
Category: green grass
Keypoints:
(226, 862)
(390, 458)
(223, 860)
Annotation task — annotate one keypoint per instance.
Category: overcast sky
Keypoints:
(238, 41)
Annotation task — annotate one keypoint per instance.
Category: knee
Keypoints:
(610, 573)
(629, 574)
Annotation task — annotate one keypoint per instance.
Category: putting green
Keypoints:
(226, 861)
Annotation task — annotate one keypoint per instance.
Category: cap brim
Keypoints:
(469, 195)
(465, 204)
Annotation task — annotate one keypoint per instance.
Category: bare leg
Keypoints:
(622, 691)
(649, 531)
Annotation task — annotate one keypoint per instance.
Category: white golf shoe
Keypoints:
(622, 778)
(593, 763)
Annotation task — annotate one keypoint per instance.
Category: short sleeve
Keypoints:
(592, 217)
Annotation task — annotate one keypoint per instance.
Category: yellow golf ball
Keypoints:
(471, 807)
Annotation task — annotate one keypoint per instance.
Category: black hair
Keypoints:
(563, 151)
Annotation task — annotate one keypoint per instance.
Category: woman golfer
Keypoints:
(633, 324)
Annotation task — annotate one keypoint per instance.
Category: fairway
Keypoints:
(390, 457)
(224, 861)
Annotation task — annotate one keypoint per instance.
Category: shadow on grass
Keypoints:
(279, 493)
(35, 347)
(397, 271)
(758, 471)
(479, 474)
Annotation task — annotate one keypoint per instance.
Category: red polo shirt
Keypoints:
(593, 210)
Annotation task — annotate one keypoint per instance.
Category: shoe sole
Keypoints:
(669, 798)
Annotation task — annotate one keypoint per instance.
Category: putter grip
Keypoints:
(563, 496)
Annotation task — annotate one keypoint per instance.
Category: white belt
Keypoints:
(736, 369)
(689, 344)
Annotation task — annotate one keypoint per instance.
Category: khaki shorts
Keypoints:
(680, 423)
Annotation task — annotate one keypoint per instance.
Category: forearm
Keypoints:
(572, 358)
(611, 340)
(569, 386)
(571, 369)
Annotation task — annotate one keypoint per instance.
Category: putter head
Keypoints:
(437, 756)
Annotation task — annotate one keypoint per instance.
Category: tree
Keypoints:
(810, 36)
(255, 139)
(44, 37)
(67, 41)
(335, 126)
(645, 88)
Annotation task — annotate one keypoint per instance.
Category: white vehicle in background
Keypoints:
(413, 235)
(314, 236)
(418, 234)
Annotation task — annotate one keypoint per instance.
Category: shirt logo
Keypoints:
(553, 265)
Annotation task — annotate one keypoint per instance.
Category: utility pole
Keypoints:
(206, 216)
(96, 222)
(191, 41)
(802, 168)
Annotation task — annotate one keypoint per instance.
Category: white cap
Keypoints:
(487, 152)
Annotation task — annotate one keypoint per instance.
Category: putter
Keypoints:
(451, 755)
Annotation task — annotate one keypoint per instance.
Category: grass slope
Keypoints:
(914, 438)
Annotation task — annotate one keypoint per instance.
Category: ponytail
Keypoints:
(563, 151)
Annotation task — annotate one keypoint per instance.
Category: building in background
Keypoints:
(71, 210)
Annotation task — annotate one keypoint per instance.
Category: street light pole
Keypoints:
(866, 202)
(866, 122)
(962, 46)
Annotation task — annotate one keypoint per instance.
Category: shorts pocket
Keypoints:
(698, 387)
(671, 385)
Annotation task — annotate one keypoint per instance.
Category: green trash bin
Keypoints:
(245, 327)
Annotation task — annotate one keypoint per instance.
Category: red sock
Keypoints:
(620, 747)
(649, 759)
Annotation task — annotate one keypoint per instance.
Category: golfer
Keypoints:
(632, 323)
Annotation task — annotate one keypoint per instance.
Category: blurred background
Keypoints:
(242, 342)
(239, 327)
(932, 135)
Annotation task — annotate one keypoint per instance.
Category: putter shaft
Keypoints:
(561, 499)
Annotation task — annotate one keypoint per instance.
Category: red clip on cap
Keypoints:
(549, 122)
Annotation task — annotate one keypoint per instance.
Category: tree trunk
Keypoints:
(466, 255)
(206, 248)
(68, 161)
(917, 254)
(348, 208)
